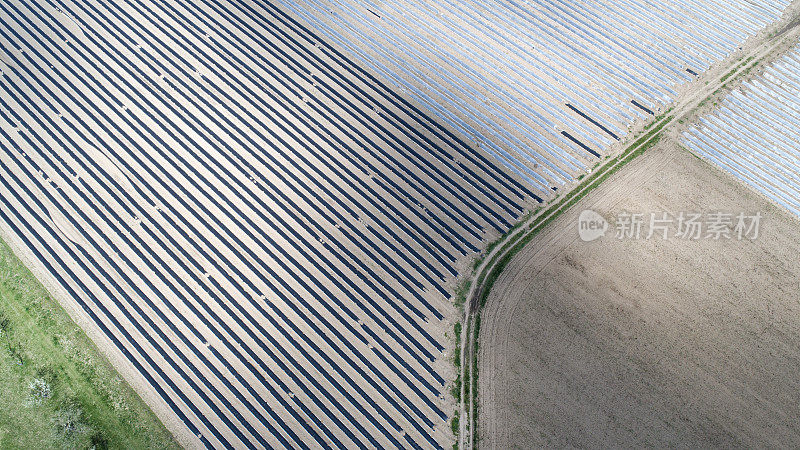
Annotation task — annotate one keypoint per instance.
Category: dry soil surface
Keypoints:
(630, 343)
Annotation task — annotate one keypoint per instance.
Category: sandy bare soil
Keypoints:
(243, 217)
(629, 343)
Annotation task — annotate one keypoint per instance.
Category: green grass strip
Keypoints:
(56, 388)
(498, 263)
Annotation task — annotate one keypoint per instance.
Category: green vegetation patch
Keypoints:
(733, 71)
(462, 289)
(56, 389)
(455, 390)
(475, 380)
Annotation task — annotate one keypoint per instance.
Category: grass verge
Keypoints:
(493, 270)
(456, 389)
(588, 183)
(58, 391)
(498, 263)
(474, 380)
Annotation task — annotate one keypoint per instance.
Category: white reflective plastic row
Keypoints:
(754, 133)
(504, 71)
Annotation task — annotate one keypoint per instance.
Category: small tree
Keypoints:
(68, 424)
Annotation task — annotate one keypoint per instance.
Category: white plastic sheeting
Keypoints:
(503, 71)
(266, 234)
(755, 133)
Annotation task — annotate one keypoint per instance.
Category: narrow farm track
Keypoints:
(549, 245)
(266, 233)
(765, 48)
(260, 231)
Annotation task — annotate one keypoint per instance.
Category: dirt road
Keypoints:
(645, 342)
(690, 104)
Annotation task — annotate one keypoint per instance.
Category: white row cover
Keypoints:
(504, 71)
(754, 133)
